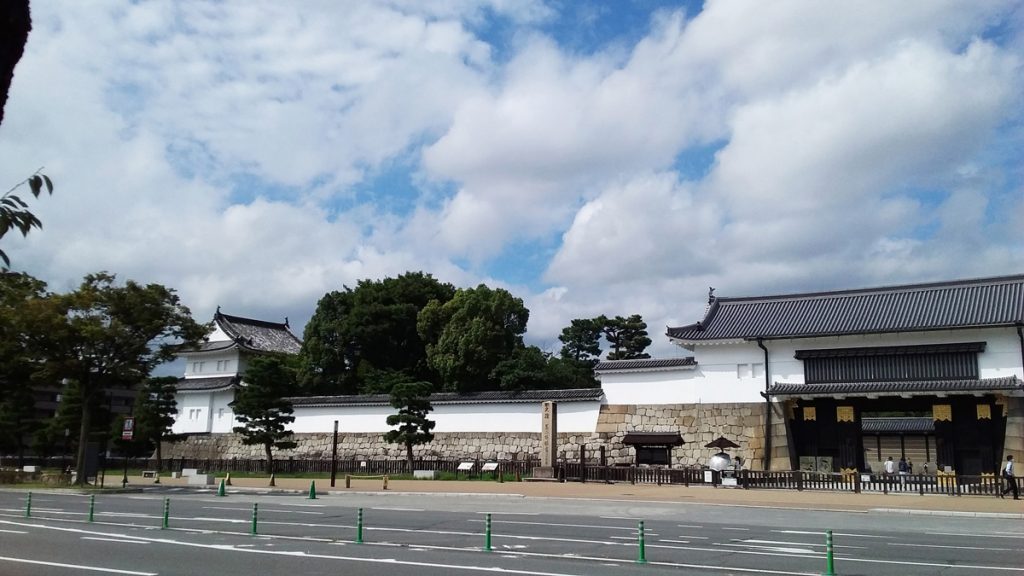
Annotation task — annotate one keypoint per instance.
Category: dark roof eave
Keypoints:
(683, 340)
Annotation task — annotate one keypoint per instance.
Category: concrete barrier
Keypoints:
(200, 480)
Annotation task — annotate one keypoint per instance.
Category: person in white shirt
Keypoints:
(1011, 480)
(890, 466)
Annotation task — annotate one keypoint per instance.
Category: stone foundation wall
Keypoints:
(1014, 440)
(742, 423)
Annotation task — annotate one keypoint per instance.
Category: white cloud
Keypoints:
(214, 147)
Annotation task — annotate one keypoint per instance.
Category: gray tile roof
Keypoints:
(206, 384)
(496, 396)
(259, 335)
(893, 388)
(896, 425)
(982, 302)
(645, 364)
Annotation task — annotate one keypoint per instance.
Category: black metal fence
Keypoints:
(954, 485)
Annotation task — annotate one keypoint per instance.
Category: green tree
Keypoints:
(18, 293)
(470, 334)
(526, 369)
(364, 340)
(581, 350)
(581, 340)
(261, 407)
(105, 335)
(155, 409)
(627, 337)
(412, 399)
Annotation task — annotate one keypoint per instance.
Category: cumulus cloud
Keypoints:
(230, 149)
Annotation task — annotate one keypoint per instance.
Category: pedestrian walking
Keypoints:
(903, 467)
(910, 466)
(1011, 480)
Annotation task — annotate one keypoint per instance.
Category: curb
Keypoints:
(911, 512)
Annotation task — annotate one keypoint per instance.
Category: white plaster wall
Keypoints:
(1001, 358)
(221, 416)
(724, 373)
(572, 417)
(229, 364)
(188, 403)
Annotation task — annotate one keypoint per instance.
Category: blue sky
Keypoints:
(591, 157)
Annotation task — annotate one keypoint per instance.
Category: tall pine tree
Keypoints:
(261, 408)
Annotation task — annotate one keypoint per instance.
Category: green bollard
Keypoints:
(92, 506)
(641, 556)
(312, 490)
(829, 562)
(359, 527)
(220, 489)
(28, 506)
(254, 515)
(487, 533)
(167, 514)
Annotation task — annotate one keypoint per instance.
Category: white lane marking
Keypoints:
(128, 514)
(632, 528)
(675, 541)
(262, 510)
(691, 537)
(629, 538)
(820, 533)
(76, 566)
(1017, 537)
(786, 543)
(512, 513)
(14, 531)
(782, 549)
(955, 547)
(400, 509)
(116, 539)
(689, 526)
(619, 562)
(735, 528)
(621, 517)
(207, 519)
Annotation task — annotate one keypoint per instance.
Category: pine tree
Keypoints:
(412, 401)
(261, 407)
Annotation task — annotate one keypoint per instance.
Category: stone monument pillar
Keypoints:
(548, 440)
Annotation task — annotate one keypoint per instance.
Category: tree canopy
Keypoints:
(365, 340)
(627, 337)
(468, 336)
(106, 335)
(261, 408)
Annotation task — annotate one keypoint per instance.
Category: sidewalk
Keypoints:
(984, 506)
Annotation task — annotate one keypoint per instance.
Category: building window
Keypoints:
(743, 371)
(892, 363)
(220, 414)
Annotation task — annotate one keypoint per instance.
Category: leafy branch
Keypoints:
(14, 212)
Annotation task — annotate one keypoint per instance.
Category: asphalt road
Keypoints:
(445, 534)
